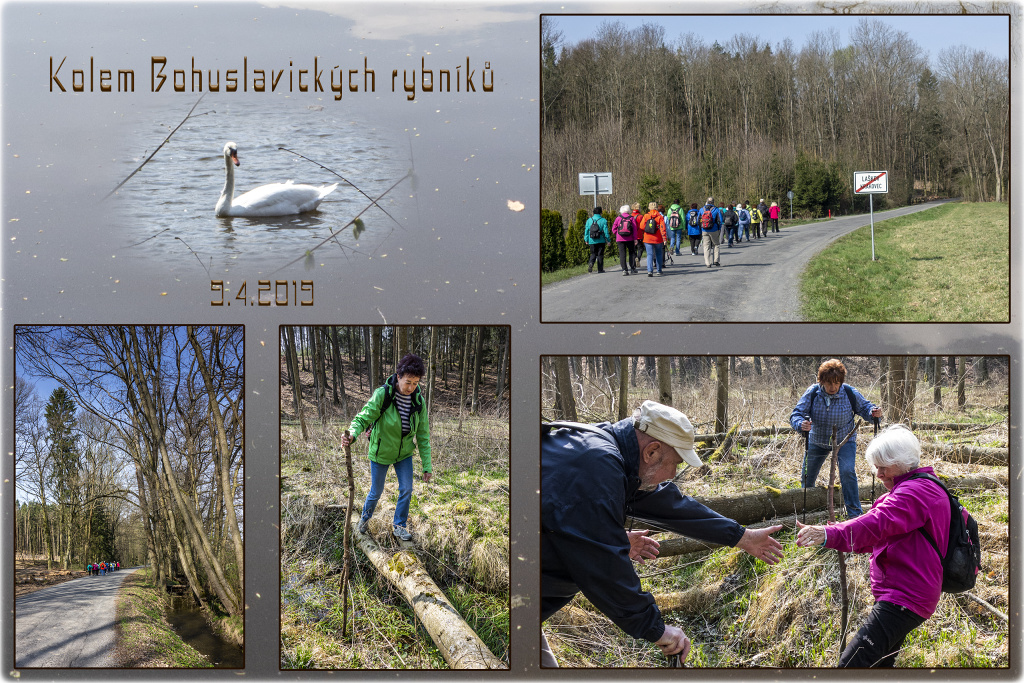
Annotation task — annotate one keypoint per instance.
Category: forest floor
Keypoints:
(459, 522)
(31, 574)
(920, 274)
(741, 612)
(758, 281)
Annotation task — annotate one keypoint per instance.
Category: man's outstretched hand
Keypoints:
(674, 642)
(641, 546)
(760, 544)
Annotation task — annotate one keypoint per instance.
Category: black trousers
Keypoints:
(597, 254)
(881, 637)
(626, 254)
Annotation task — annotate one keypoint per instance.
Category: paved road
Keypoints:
(757, 282)
(68, 625)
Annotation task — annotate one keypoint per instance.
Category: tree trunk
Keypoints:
(478, 355)
(458, 644)
(961, 383)
(563, 386)
(664, 381)
(432, 365)
(623, 387)
(722, 394)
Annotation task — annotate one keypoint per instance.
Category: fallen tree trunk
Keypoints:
(681, 545)
(751, 508)
(947, 426)
(967, 455)
(459, 645)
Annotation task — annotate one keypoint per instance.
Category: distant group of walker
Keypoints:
(101, 568)
(659, 228)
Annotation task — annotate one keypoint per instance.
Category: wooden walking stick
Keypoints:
(836, 445)
(346, 569)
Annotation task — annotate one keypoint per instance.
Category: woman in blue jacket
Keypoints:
(595, 234)
(693, 229)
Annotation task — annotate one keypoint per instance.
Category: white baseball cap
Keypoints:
(669, 426)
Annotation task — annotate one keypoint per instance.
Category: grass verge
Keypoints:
(948, 264)
(144, 638)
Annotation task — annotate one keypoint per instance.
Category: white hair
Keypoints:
(896, 446)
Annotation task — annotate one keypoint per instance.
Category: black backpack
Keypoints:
(596, 232)
(626, 226)
(692, 221)
(730, 218)
(651, 226)
(962, 561)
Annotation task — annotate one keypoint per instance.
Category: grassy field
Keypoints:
(144, 638)
(740, 612)
(459, 521)
(949, 264)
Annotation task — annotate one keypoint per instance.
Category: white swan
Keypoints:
(276, 199)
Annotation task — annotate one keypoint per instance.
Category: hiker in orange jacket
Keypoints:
(652, 227)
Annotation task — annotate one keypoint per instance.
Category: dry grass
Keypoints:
(144, 638)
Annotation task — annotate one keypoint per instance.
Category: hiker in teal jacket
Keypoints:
(396, 416)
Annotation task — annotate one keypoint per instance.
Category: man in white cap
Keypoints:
(595, 476)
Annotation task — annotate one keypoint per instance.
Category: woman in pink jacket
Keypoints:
(773, 213)
(906, 571)
(625, 230)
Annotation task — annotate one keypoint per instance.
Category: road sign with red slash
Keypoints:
(871, 182)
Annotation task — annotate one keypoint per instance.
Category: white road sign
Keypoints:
(595, 183)
(871, 182)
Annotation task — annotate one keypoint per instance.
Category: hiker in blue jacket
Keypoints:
(593, 477)
(827, 404)
(741, 210)
(710, 220)
(693, 228)
(595, 233)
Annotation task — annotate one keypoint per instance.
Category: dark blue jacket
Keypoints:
(716, 217)
(588, 488)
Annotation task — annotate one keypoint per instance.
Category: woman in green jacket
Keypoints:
(396, 416)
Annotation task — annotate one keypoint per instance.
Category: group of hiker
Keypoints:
(660, 231)
(597, 477)
(101, 568)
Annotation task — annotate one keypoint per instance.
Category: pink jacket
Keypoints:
(625, 238)
(905, 569)
(773, 212)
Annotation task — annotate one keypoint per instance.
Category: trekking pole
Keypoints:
(875, 420)
(803, 472)
(346, 569)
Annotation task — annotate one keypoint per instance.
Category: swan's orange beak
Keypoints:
(234, 157)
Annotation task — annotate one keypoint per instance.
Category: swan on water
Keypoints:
(276, 199)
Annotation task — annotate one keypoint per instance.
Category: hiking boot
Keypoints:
(650, 274)
(401, 533)
(364, 526)
(718, 264)
(625, 272)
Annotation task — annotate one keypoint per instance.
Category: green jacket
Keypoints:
(387, 446)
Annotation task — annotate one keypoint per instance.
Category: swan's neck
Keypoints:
(227, 195)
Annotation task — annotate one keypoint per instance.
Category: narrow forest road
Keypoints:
(69, 625)
(758, 281)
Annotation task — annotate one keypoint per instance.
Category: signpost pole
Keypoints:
(871, 201)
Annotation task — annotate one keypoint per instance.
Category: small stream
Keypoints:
(190, 624)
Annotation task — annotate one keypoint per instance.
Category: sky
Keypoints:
(932, 33)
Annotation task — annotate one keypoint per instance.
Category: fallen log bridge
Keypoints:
(460, 646)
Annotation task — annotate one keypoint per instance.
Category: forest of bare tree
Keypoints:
(740, 612)
(353, 600)
(129, 447)
(684, 117)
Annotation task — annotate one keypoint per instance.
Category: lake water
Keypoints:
(166, 211)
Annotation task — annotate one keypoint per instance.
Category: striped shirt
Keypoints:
(404, 405)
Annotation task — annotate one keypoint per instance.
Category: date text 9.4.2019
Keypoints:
(268, 293)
